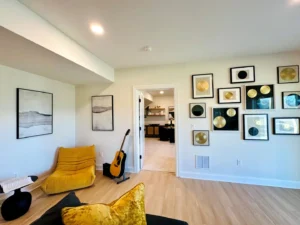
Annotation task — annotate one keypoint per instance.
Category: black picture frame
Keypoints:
(230, 117)
(266, 117)
(103, 109)
(260, 100)
(233, 102)
(278, 74)
(207, 143)
(275, 132)
(283, 100)
(33, 113)
(212, 85)
(241, 67)
(203, 105)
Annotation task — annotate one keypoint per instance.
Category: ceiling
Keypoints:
(167, 92)
(178, 31)
(20, 53)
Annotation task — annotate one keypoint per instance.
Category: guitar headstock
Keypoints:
(127, 132)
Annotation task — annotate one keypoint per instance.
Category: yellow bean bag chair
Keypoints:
(75, 169)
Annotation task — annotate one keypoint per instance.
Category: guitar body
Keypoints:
(117, 167)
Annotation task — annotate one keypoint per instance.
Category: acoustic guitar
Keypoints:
(117, 167)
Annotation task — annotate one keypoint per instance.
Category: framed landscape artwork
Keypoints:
(229, 95)
(203, 86)
(201, 137)
(34, 113)
(286, 126)
(291, 100)
(288, 74)
(260, 97)
(197, 110)
(256, 127)
(103, 113)
(245, 74)
(225, 119)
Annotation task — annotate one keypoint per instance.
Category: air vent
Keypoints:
(202, 162)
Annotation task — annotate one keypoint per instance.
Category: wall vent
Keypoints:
(202, 162)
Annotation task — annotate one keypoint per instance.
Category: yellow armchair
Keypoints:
(75, 169)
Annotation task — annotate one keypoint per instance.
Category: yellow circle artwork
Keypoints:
(265, 89)
(202, 85)
(231, 112)
(219, 122)
(288, 74)
(228, 95)
(252, 93)
(201, 138)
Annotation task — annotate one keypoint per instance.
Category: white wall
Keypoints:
(35, 155)
(41, 32)
(270, 162)
(163, 102)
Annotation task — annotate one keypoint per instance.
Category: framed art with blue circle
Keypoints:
(256, 127)
(291, 100)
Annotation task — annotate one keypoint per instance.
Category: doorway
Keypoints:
(155, 128)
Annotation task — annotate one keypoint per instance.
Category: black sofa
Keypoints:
(53, 215)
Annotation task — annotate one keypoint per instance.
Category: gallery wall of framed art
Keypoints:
(225, 147)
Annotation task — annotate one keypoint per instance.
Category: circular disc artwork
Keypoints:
(252, 93)
(288, 74)
(197, 110)
(253, 131)
(201, 138)
(231, 112)
(202, 85)
(286, 126)
(242, 74)
(228, 95)
(219, 122)
(293, 100)
(265, 89)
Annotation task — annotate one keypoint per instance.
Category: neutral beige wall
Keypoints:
(34, 155)
(276, 159)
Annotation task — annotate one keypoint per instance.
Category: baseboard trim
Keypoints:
(242, 180)
(127, 169)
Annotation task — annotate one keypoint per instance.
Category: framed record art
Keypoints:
(197, 110)
(260, 97)
(203, 85)
(256, 127)
(291, 100)
(201, 137)
(286, 126)
(103, 113)
(225, 119)
(288, 74)
(34, 113)
(245, 74)
(229, 95)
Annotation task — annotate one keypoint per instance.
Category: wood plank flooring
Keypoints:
(195, 201)
(159, 155)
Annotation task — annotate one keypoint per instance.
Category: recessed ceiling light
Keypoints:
(294, 2)
(161, 92)
(97, 29)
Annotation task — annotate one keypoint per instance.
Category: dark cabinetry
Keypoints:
(152, 130)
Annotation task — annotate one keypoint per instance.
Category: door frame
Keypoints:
(136, 139)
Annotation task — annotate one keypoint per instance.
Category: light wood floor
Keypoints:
(159, 155)
(195, 201)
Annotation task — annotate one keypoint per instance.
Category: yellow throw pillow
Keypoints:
(129, 209)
